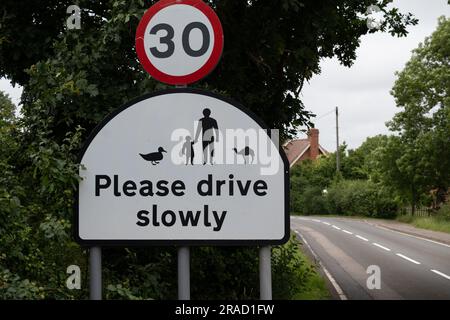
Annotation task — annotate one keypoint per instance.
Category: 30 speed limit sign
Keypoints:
(179, 42)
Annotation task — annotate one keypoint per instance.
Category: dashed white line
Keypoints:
(336, 227)
(326, 223)
(407, 258)
(362, 238)
(380, 246)
(315, 220)
(348, 232)
(441, 274)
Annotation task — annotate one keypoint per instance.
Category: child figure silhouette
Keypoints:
(188, 150)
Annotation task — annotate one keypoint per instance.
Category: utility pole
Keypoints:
(337, 141)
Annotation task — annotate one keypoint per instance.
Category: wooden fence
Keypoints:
(420, 212)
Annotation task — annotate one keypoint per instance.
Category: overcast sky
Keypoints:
(362, 91)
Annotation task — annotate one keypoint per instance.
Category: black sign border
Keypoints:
(177, 242)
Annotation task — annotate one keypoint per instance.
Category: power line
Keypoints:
(325, 114)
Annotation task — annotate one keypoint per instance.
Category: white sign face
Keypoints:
(182, 167)
(179, 42)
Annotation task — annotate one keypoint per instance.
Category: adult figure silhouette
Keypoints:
(210, 134)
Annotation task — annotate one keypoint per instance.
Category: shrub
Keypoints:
(444, 211)
(360, 197)
(309, 202)
(232, 273)
(291, 272)
(13, 287)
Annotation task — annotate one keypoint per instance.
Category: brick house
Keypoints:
(298, 150)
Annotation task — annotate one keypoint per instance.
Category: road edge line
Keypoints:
(333, 281)
(408, 234)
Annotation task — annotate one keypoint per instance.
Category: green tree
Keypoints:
(7, 110)
(359, 164)
(420, 155)
(357, 190)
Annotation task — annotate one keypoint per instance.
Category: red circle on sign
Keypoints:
(202, 71)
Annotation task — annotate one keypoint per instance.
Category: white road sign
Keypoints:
(182, 166)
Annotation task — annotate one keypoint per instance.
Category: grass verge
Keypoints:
(314, 288)
(430, 223)
(294, 275)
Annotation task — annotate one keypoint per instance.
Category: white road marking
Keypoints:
(348, 232)
(407, 258)
(362, 238)
(337, 228)
(333, 281)
(380, 246)
(300, 218)
(326, 223)
(441, 274)
(316, 220)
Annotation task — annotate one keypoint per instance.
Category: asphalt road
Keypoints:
(410, 267)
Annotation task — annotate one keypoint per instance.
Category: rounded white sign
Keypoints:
(182, 167)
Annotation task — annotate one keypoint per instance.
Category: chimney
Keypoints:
(313, 136)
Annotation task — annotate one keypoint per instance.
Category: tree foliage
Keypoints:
(316, 187)
(272, 47)
(420, 154)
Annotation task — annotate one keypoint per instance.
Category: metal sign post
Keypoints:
(265, 253)
(184, 261)
(184, 274)
(95, 269)
(265, 273)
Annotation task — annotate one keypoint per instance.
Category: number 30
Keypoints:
(167, 40)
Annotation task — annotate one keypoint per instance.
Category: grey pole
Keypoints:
(265, 273)
(184, 272)
(265, 265)
(184, 277)
(95, 268)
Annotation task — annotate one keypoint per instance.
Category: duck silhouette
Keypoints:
(154, 157)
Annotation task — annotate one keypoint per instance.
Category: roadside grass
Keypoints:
(430, 223)
(294, 274)
(314, 288)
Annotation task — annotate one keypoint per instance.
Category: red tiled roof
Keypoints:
(295, 148)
